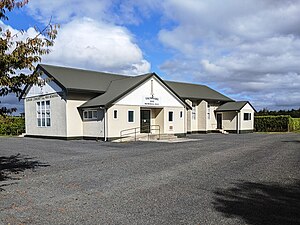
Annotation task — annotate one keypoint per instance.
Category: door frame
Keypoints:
(219, 118)
(148, 130)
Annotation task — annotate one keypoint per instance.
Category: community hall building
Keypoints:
(72, 103)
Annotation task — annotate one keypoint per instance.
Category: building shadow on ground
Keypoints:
(15, 164)
(260, 203)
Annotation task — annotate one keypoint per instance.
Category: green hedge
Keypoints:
(272, 123)
(294, 124)
(12, 125)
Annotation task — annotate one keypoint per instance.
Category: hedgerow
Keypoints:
(11, 125)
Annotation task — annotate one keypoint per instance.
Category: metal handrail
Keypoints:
(136, 130)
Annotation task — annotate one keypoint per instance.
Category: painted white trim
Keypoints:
(131, 110)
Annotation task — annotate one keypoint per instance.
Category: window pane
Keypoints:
(39, 122)
(95, 114)
(170, 116)
(85, 115)
(47, 104)
(115, 114)
(180, 114)
(130, 116)
(43, 122)
(48, 122)
(90, 114)
(43, 105)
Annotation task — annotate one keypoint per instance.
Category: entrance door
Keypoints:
(219, 121)
(145, 121)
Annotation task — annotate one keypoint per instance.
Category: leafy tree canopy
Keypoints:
(19, 54)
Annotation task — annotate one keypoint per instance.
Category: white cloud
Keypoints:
(86, 43)
(249, 49)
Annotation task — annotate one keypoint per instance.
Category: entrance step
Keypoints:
(146, 137)
(222, 131)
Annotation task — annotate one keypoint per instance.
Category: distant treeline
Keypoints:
(295, 113)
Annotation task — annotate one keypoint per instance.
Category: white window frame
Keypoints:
(181, 114)
(208, 112)
(90, 114)
(169, 116)
(194, 112)
(133, 119)
(249, 118)
(43, 113)
(115, 116)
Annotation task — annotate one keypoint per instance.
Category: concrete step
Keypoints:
(146, 137)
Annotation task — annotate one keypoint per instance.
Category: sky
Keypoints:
(247, 50)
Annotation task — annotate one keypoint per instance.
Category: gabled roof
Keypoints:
(112, 86)
(116, 89)
(119, 88)
(197, 91)
(233, 106)
(78, 79)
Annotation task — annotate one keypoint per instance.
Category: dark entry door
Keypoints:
(145, 121)
(219, 121)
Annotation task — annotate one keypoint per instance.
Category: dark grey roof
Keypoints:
(114, 85)
(232, 106)
(196, 91)
(78, 79)
(116, 89)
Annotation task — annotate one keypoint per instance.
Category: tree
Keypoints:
(17, 55)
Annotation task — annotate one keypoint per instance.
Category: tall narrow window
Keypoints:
(115, 114)
(170, 116)
(43, 114)
(181, 114)
(208, 112)
(130, 116)
(194, 112)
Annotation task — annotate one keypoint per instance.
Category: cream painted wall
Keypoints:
(189, 116)
(74, 121)
(194, 121)
(246, 124)
(58, 116)
(202, 116)
(94, 128)
(212, 122)
(229, 120)
(137, 96)
(177, 126)
(114, 126)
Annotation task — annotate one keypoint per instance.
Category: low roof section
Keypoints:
(197, 91)
(233, 106)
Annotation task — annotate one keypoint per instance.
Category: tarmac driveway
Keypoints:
(214, 179)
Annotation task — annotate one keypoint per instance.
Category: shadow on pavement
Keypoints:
(15, 164)
(260, 203)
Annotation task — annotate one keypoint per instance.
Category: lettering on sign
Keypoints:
(151, 101)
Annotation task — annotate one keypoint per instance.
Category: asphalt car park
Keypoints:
(206, 179)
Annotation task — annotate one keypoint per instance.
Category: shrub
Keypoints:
(272, 123)
(11, 125)
(295, 124)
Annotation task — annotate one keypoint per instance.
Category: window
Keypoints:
(90, 114)
(247, 116)
(115, 114)
(181, 114)
(194, 112)
(170, 116)
(43, 114)
(130, 116)
(208, 112)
